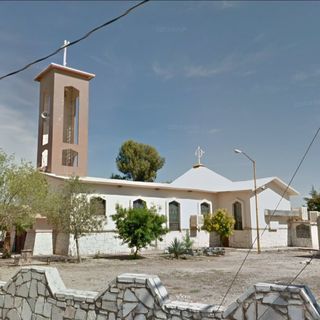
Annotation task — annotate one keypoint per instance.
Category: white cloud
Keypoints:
(165, 73)
(118, 67)
(243, 64)
(247, 73)
(315, 103)
(204, 71)
(217, 5)
(227, 64)
(226, 4)
(18, 135)
(306, 75)
(213, 130)
(193, 129)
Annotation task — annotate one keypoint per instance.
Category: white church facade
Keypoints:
(62, 151)
(183, 202)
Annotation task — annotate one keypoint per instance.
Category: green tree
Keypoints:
(117, 176)
(313, 202)
(138, 227)
(219, 221)
(23, 194)
(73, 212)
(138, 161)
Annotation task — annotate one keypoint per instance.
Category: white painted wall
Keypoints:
(43, 243)
(270, 199)
(240, 238)
(105, 242)
(312, 242)
(226, 200)
(267, 199)
(39, 238)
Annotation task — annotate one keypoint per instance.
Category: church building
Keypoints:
(62, 152)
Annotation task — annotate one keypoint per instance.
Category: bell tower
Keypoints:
(63, 120)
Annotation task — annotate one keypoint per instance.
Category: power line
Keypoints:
(75, 41)
(291, 281)
(274, 211)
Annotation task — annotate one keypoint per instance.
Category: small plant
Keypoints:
(6, 254)
(177, 248)
(188, 243)
(97, 255)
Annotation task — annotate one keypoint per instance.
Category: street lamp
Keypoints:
(255, 194)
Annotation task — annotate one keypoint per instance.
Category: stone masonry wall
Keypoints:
(39, 294)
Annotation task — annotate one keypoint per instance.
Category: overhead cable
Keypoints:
(274, 211)
(75, 41)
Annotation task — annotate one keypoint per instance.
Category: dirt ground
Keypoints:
(197, 279)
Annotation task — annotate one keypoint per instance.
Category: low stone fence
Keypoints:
(40, 294)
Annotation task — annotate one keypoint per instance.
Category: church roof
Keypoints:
(200, 177)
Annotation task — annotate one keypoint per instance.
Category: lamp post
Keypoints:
(255, 194)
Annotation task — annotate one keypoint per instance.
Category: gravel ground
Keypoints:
(196, 279)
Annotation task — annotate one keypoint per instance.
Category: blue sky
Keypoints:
(177, 75)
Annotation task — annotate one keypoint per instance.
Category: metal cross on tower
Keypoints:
(65, 44)
(199, 153)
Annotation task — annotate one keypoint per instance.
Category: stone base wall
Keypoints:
(106, 242)
(39, 294)
(272, 238)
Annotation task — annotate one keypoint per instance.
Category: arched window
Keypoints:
(44, 117)
(71, 115)
(139, 203)
(237, 214)
(205, 208)
(99, 205)
(174, 216)
(70, 158)
(44, 158)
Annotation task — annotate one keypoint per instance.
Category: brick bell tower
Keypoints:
(63, 120)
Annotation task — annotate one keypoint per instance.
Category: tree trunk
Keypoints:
(135, 253)
(7, 245)
(224, 241)
(78, 251)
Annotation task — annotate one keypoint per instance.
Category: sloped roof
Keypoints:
(263, 182)
(198, 178)
(202, 178)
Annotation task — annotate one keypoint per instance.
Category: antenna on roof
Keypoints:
(199, 154)
(65, 44)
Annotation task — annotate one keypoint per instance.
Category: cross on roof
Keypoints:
(199, 154)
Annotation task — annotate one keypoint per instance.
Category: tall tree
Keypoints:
(23, 194)
(138, 227)
(313, 202)
(138, 161)
(74, 213)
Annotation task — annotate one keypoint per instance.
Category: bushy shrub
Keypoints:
(221, 222)
(176, 248)
(138, 227)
